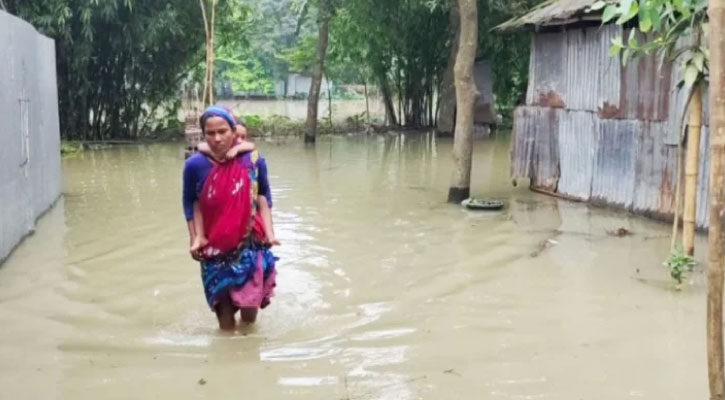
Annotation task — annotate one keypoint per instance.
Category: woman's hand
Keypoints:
(273, 241)
(197, 245)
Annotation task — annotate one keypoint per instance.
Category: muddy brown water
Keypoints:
(385, 291)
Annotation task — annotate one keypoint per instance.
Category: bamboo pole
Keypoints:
(678, 175)
(716, 11)
(692, 164)
(206, 62)
(210, 50)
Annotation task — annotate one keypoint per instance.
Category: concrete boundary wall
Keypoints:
(30, 171)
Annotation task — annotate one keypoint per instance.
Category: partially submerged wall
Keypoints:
(30, 172)
(596, 131)
(484, 113)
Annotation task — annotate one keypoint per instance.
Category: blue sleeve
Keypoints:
(188, 196)
(263, 180)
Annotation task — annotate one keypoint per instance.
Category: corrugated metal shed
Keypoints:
(536, 146)
(609, 132)
(655, 166)
(552, 12)
(573, 70)
(645, 88)
(578, 130)
(620, 163)
(583, 58)
(614, 170)
(548, 60)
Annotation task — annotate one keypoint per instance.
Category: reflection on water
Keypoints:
(385, 291)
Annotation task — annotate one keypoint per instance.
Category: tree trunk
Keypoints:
(447, 107)
(465, 98)
(717, 200)
(329, 102)
(367, 103)
(387, 98)
(323, 20)
(691, 167)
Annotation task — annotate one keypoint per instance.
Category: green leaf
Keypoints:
(625, 56)
(633, 39)
(699, 60)
(691, 74)
(631, 13)
(654, 16)
(609, 13)
(614, 51)
(645, 20)
(598, 5)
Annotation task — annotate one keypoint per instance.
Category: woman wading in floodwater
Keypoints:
(237, 267)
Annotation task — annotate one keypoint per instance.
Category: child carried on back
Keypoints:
(264, 199)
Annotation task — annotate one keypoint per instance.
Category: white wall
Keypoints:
(30, 173)
(300, 84)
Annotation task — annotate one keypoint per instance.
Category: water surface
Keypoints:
(385, 291)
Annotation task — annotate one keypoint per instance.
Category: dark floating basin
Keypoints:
(482, 204)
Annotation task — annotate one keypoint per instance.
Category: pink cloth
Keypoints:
(226, 204)
(258, 291)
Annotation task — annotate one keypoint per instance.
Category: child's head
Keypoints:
(241, 129)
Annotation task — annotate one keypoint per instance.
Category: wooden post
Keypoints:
(716, 11)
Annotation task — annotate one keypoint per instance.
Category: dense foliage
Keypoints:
(675, 27)
(121, 63)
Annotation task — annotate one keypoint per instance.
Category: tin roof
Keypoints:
(553, 13)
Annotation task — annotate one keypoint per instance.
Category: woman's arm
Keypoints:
(188, 198)
(199, 240)
(266, 213)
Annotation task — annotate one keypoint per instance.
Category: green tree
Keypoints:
(465, 99)
(119, 62)
(325, 11)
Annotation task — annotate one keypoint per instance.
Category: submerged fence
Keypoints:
(30, 173)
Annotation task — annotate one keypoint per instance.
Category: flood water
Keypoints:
(384, 290)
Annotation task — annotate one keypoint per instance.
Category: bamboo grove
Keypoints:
(121, 63)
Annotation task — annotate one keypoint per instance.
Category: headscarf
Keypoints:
(217, 111)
